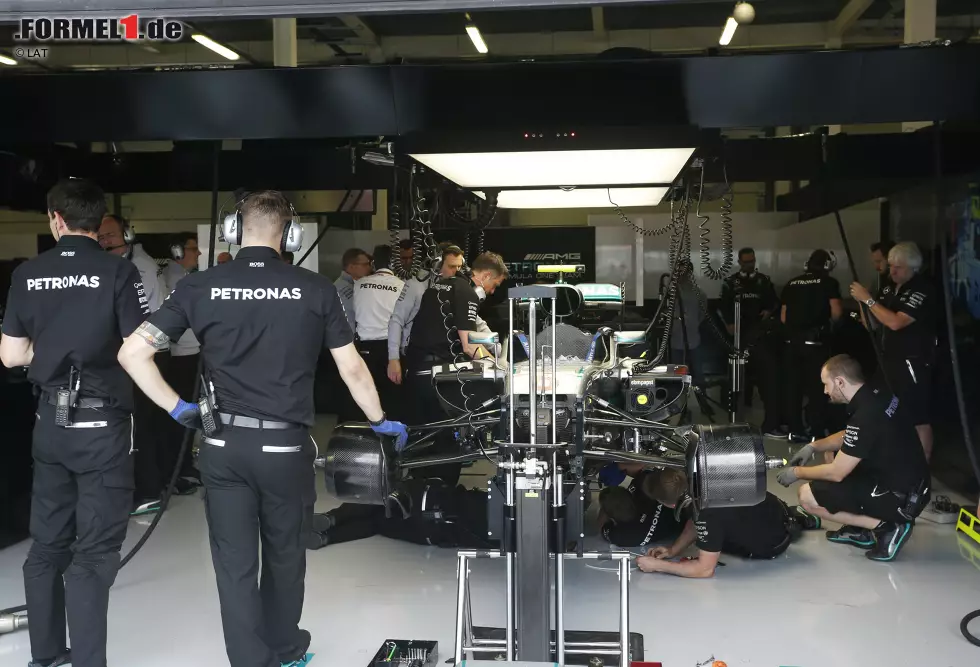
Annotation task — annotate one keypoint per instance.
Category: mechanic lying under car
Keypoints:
(763, 531)
(628, 517)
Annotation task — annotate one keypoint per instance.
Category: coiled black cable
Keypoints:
(632, 225)
(726, 232)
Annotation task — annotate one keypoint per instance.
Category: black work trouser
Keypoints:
(375, 355)
(181, 374)
(259, 489)
(83, 490)
(149, 438)
(802, 365)
(764, 364)
(426, 408)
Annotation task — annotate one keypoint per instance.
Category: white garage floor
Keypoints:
(819, 605)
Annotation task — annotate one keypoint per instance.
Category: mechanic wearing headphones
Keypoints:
(374, 300)
(181, 371)
(628, 516)
(755, 292)
(879, 481)
(762, 531)
(116, 235)
(262, 324)
(407, 306)
(811, 305)
(445, 321)
(907, 313)
(68, 311)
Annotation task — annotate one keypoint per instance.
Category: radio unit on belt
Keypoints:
(67, 399)
(208, 406)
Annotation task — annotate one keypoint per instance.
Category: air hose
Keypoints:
(726, 232)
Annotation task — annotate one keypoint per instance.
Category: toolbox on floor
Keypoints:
(969, 525)
(406, 653)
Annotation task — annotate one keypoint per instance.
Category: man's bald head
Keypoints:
(223, 257)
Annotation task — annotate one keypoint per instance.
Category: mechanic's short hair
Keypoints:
(406, 244)
(351, 255)
(845, 366)
(668, 486)
(451, 250)
(182, 238)
(907, 251)
(884, 247)
(618, 504)
(490, 261)
(382, 257)
(265, 208)
(745, 251)
(80, 202)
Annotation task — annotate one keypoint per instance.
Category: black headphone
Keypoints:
(828, 258)
(448, 250)
(233, 227)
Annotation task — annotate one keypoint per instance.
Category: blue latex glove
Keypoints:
(396, 429)
(611, 475)
(187, 414)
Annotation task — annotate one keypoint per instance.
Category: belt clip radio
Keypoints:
(916, 501)
(208, 407)
(67, 399)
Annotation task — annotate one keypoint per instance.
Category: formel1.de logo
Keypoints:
(114, 29)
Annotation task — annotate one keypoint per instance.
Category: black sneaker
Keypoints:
(776, 433)
(858, 537)
(145, 507)
(315, 540)
(800, 438)
(806, 520)
(64, 659)
(323, 522)
(299, 656)
(890, 537)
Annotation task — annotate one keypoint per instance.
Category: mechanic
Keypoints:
(181, 371)
(431, 513)
(407, 306)
(262, 324)
(356, 265)
(445, 321)
(907, 313)
(374, 300)
(68, 311)
(629, 517)
(762, 531)
(117, 236)
(685, 334)
(406, 253)
(879, 260)
(223, 258)
(755, 292)
(811, 306)
(879, 481)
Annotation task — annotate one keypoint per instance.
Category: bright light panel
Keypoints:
(557, 168)
(476, 38)
(220, 49)
(579, 197)
(728, 32)
(7, 61)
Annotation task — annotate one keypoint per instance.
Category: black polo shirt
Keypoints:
(742, 531)
(261, 323)
(655, 523)
(449, 303)
(807, 300)
(77, 302)
(879, 433)
(917, 299)
(757, 294)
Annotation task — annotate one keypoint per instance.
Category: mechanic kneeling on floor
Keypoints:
(762, 531)
(879, 481)
(262, 324)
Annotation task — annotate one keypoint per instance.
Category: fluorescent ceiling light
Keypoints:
(7, 61)
(558, 168)
(728, 32)
(579, 197)
(220, 49)
(476, 38)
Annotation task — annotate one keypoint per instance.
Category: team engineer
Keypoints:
(879, 481)
(811, 305)
(261, 323)
(68, 311)
(441, 334)
(907, 313)
(407, 306)
(356, 265)
(374, 300)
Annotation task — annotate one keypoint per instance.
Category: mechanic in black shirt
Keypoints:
(629, 516)
(68, 311)
(907, 313)
(762, 531)
(261, 323)
(754, 290)
(811, 304)
(879, 481)
(446, 319)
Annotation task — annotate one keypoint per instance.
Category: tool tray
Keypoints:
(403, 653)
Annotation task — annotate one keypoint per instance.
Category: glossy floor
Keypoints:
(819, 605)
